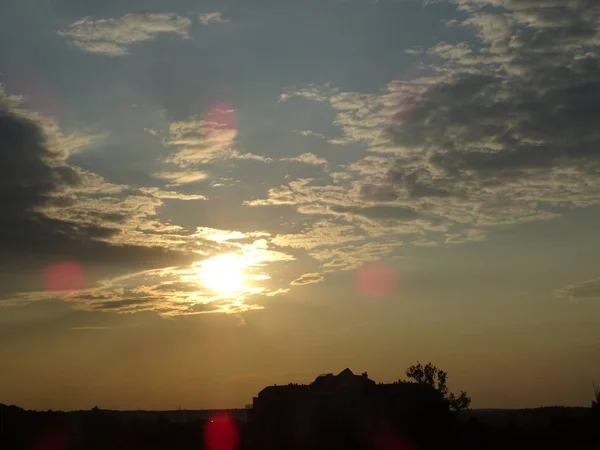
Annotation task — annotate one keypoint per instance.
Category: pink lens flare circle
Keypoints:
(62, 277)
(221, 116)
(386, 440)
(221, 433)
(376, 280)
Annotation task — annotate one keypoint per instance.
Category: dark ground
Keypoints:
(544, 428)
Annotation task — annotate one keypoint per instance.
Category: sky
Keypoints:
(202, 198)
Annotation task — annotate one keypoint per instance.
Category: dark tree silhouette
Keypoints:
(437, 378)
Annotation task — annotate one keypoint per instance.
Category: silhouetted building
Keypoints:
(341, 411)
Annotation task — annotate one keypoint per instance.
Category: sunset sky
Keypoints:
(202, 198)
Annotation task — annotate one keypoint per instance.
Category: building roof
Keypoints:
(347, 381)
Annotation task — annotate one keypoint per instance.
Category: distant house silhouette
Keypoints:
(343, 410)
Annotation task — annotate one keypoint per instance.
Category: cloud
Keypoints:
(60, 144)
(258, 253)
(307, 158)
(339, 177)
(172, 195)
(501, 131)
(317, 92)
(583, 291)
(497, 136)
(200, 141)
(356, 113)
(213, 17)
(472, 235)
(308, 278)
(248, 156)
(54, 211)
(175, 290)
(313, 133)
(353, 256)
(216, 235)
(320, 234)
(113, 37)
(277, 292)
(182, 177)
(299, 192)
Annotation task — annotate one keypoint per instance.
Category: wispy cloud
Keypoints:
(313, 133)
(177, 290)
(212, 17)
(319, 234)
(317, 92)
(308, 278)
(172, 195)
(501, 130)
(582, 291)
(70, 208)
(307, 158)
(460, 151)
(113, 37)
(216, 235)
(200, 141)
(277, 292)
(352, 256)
(182, 177)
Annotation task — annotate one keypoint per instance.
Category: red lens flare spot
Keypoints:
(55, 441)
(387, 440)
(220, 125)
(376, 280)
(39, 94)
(221, 433)
(63, 277)
(222, 116)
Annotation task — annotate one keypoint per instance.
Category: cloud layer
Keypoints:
(502, 130)
(113, 37)
(54, 211)
(497, 130)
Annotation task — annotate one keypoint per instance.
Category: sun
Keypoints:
(224, 273)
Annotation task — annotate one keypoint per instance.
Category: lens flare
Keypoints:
(222, 115)
(221, 433)
(63, 277)
(53, 441)
(376, 280)
(386, 440)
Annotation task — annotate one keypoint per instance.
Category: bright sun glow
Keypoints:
(224, 273)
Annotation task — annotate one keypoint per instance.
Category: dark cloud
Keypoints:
(501, 130)
(122, 305)
(205, 307)
(31, 177)
(26, 178)
(513, 121)
(178, 286)
(410, 183)
(586, 290)
(371, 192)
